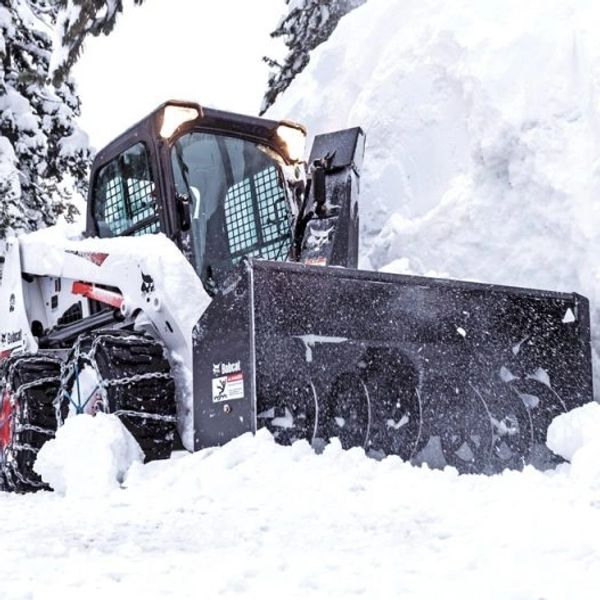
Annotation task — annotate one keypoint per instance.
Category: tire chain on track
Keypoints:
(34, 418)
(154, 428)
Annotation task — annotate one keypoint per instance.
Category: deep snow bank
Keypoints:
(483, 127)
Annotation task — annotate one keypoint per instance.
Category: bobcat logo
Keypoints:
(12, 301)
(147, 284)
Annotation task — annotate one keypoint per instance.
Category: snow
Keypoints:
(8, 166)
(72, 144)
(89, 456)
(576, 437)
(571, 432)
(258, 520)
(44, 251)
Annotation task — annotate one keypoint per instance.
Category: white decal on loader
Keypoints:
(10, 338)
(228, 387)
(9, 343)
(226, 368)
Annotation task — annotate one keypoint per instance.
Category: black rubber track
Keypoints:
(146, 403)
(30, 384)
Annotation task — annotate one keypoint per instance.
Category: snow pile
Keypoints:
(258, 520)
(483, 136)
(89, 456)
(576, 437)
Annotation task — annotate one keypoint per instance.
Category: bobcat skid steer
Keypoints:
(206, 300)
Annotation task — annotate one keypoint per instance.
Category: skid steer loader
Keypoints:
(206, 300)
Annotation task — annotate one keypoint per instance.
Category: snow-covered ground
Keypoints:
(483, 162)
(258, 520)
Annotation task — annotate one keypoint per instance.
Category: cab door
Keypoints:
(125, 196)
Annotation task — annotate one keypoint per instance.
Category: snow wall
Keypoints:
(483, 137)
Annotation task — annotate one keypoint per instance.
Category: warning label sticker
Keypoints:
(228, 387)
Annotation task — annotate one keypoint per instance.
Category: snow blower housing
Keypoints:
(237, 317)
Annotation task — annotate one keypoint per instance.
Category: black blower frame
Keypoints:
(436, 371)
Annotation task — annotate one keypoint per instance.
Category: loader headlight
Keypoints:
(174, 116)
(294, 140)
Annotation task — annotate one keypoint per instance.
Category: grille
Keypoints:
(240, 218)
(140, 200)
(257, 217)
(114, 206)
(153, 227)
(141, 205)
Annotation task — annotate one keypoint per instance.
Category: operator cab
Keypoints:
(223, 186)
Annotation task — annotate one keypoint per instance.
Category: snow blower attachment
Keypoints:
(435, 371)
(236, 317)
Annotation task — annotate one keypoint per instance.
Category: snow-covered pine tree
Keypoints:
(76, 20)
(44, 156)
(307, 25)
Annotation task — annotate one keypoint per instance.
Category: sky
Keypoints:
(210, 52)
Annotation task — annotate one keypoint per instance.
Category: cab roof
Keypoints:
(209, 119)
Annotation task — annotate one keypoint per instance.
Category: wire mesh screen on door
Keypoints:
(257, 217)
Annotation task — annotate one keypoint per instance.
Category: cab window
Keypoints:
(125, 195)
(238, 202)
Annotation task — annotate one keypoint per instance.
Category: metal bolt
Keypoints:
(226, 408)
